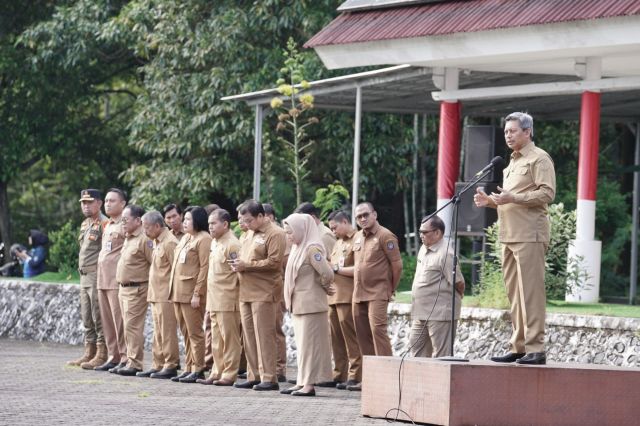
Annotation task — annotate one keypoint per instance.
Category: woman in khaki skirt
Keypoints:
(308, 281)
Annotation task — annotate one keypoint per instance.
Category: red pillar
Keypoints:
(448, 149)
(589, 145)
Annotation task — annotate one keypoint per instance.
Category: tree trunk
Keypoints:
(407, 230)
(423, 170)
(414, 180)
(5, 224)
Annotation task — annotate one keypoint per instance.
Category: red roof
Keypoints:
(463, 16)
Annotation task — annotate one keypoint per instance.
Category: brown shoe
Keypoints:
(223, 382)
(208, 381)
(99, 359)
(89, 353)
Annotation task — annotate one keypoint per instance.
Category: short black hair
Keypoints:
(436, 222)
(136, 211)
(367, 203)
(199, 217)
(268, 209)
(339, 216)
(308, 208)
(120, 192)
(252, 207)
(222, 215)
(210, 208)
(170, 207)
(38, 238)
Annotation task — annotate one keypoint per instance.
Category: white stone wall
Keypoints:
(51, 312)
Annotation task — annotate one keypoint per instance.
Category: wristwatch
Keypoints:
(336, 268)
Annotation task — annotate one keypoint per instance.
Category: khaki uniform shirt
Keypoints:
(328, 238)
(262, 251)
(374, 251)
(190, 267)
(309, 294)
(531, 177)
(135, 260)
(342, 255)
(222, 281)
(160, 272)
(90, 242)
(112, 241)
(178, 235)
(431, 290)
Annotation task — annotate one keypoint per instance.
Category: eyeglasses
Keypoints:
(426, 232)
(363, 215)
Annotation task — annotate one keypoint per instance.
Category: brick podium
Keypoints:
(487, 393)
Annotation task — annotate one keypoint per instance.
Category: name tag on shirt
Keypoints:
(183, 256)
(341, 262)
(259, 241)
(107, 246)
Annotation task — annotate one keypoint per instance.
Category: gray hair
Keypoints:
(153, 217)
(525, 121)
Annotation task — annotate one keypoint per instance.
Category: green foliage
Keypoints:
(63, 254)
(331, 198)
(409, 264)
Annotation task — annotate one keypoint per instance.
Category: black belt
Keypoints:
(132, 284)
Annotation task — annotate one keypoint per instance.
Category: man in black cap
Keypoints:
(90, 239)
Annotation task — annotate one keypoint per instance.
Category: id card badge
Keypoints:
(183, 256)
(341, 262)
(107, 246)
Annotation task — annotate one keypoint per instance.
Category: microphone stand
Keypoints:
(455, 200)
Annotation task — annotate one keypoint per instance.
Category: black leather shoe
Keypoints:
(355, 388)
(106, 366)
(128, 371)
(292, 381)
(242, 374)
(191, 378)
(533, 358)
(290, 390)
(510, 357)
(282, 378)
(117, 368)
(181, 376)
(266, 386)
(147, 373)
(344, 385)
(249, 384)
(300, 393)
(331, 384)
(164, 374)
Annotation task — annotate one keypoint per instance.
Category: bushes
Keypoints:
(63, 253)
(408, 271)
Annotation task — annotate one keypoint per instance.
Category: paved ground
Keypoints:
(37, 388)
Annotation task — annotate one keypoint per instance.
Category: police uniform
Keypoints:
(344, 343)
(525, 235)
(188, 279)
(165, 349)
(374, 252)
(110, 309)
(431, 301)
(224, 308)
(262, 252)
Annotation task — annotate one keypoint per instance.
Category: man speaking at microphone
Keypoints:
(529, 186)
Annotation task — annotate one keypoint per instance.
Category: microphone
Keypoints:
(497, 162)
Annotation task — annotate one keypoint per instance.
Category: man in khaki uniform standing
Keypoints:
(260, 268)
(529, 186)
(431, 293)
(165, 351)
(344, 343)
(222, 301)
(132, 275)
(90, 240)
(110, 310)
(378, 267)
(173, 218)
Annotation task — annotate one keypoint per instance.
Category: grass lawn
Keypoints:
(561, 307)
(52, 277)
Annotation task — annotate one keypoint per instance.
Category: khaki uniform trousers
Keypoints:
(208, 355)
(165, 350)
(523, 272)
(134, 312)
(370, 319)
(344, 344)
(259, 336)
(226, 344)
(314, 355)
(90, 308)
(190, 321)
(430, 338)
(112, 324)
(281, 340)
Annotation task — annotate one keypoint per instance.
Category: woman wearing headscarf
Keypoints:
(33, 261)
(308, 281)
(188, 289)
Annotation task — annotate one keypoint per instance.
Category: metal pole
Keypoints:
(356, 155)
(633, 288)
(257, 153)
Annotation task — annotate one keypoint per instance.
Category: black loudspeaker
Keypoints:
(479, 150)
(471, 219)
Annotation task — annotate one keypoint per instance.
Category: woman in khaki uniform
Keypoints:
(188, 286)
(308, 280)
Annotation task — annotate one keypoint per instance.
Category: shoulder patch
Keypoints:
(317, 257)
(233, 255)
(390, 245)
(150, 244)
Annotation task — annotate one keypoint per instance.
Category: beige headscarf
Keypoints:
(301, 225)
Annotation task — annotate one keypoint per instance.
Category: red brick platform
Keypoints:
(486, 393)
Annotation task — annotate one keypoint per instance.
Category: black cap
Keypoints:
(90, 195)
